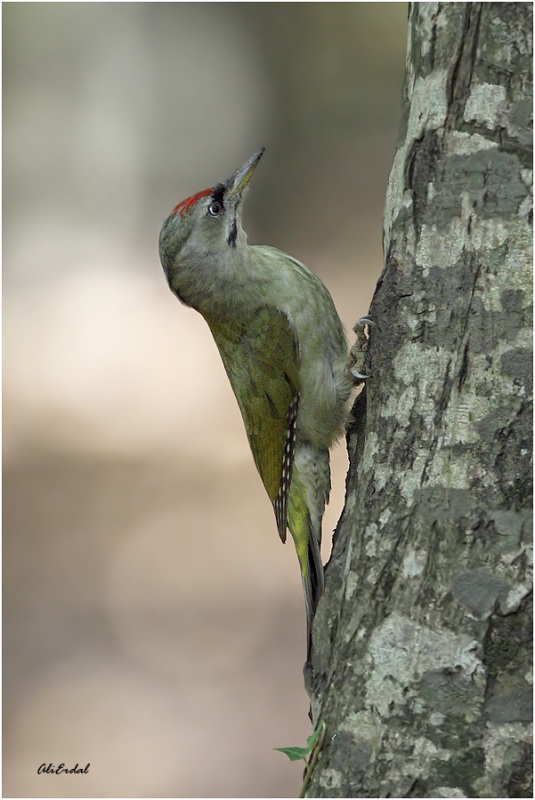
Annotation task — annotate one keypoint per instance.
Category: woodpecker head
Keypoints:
(202, 237)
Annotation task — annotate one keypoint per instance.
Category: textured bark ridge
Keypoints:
(422, 660)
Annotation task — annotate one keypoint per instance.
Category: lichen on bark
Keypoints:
(421, 663)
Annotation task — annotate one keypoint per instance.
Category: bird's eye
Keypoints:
(215, 208)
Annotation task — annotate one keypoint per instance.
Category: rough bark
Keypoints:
(421, 662)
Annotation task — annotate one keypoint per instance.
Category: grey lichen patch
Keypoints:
(330, 779)
(526, 207)
(514, 270)
(527, 178)
(446, 246)
(429, 365)
(434, 37)
(410, 481)
(398, 201)
(501, 749)
(351, 504)
(400, 406)
(485, 104)
(424, 753)
(371, 540)
(366, 732)
(374, 463)
(429, 104)
(448, 791)
(448, 470)
(371, 447)
(384, 517)
(442, 247)
(487, 236)
(382, 474)
(428, 110)
(378, 549)
(426, 29)
(413, 563)
(512, 600)
(401, 651)
(461, 143)
(478, 590)
(461, 417)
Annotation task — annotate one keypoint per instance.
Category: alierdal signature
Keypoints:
(51, 769)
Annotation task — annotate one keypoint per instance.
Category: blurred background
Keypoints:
(153, 622)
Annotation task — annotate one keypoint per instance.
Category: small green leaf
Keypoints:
(298, 753)
(294, 753)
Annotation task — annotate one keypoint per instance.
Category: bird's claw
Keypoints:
(361, 323)
(359, 348)
(358, 375)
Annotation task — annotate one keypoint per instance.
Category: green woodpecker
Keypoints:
(284, 350)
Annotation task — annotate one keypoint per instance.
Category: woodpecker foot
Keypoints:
(361, 323)
(362, 328)
(358, 376)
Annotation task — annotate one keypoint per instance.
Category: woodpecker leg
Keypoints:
(358, 376)
(360, 347)
(361, 323)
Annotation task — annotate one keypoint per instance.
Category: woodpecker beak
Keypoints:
(239, 181)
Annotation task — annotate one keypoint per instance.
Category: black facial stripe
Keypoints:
(232, 234)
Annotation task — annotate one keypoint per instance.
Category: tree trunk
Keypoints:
(421, 662)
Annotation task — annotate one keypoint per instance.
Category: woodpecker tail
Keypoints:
(313, 583)
(306, 536)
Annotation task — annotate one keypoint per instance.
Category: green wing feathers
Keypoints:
(261, 357)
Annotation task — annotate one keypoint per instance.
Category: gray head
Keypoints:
(203, 235)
